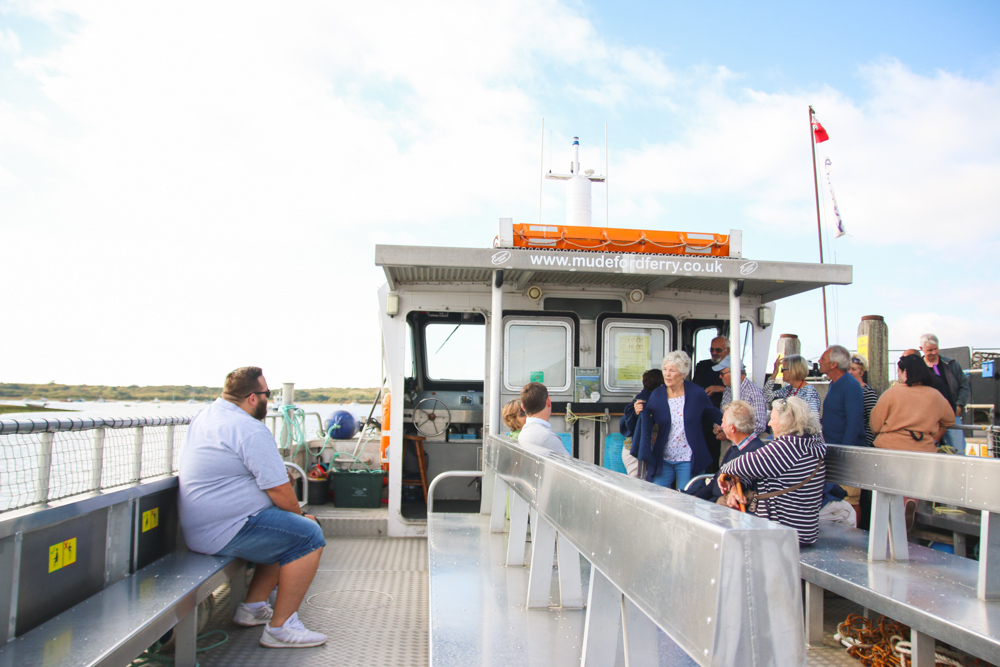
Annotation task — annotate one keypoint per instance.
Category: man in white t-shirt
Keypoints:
(235, 500)
(537, 430)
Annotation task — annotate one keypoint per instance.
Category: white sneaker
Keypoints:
(250, 617)
(291, 635)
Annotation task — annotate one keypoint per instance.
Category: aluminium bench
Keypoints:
(115, 626)
(656, 558)
(126, 580)
(940, 596)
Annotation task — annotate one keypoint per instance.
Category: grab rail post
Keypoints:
(137, 455)
(97, 460)
(44, 467)
(168, 454)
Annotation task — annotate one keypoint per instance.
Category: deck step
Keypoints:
(348, 522)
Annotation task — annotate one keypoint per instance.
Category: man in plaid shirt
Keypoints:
(749, 392)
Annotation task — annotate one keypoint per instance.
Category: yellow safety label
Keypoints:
(62, 554)
(150, 519)
(55, 557)
(69, 551)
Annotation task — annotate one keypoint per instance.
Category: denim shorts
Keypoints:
(275, 536)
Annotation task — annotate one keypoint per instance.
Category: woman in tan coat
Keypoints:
(912, 415)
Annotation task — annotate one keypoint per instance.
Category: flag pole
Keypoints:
(819, 226)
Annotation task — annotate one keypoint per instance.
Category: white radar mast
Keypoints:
(578, 200)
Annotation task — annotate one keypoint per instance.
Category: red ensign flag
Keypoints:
(820, 133)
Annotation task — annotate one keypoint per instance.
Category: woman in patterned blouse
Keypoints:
(794, 371)
(859, 368)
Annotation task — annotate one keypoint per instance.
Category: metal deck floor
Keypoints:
(371, 597)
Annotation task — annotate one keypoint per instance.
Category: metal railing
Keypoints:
(989, 432)
(42, 460)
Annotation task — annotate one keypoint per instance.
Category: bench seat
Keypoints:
(933, 593)
(116, 625)
(478, 604)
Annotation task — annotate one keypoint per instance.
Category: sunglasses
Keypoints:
(717, 349)
(266, 393)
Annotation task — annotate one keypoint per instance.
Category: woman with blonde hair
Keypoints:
(788, 473)
(794, 371)
(513, 417)
(675, 450)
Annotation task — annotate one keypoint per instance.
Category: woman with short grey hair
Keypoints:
(788, 473)
(669, 437)
(794, 371)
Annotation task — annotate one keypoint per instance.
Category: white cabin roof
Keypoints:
(422, 265)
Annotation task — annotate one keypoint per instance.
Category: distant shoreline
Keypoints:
(63, 393)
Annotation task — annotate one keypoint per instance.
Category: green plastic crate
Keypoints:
(356, 488)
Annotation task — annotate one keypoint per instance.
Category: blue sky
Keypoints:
(184, 190)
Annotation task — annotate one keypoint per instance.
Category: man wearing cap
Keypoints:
(749, 392)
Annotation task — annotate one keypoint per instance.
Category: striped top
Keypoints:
(871, 398)
(807, 393)
(781, 464)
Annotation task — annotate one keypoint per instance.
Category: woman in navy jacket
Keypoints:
(677, 449)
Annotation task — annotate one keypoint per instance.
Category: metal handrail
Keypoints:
(25, 426)
(446, 475)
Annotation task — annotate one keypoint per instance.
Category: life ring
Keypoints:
(386, 405)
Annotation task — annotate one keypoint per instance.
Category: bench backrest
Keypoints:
(723, 585)
(965, 481)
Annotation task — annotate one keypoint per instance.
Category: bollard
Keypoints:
(873, 342)
(788, 344)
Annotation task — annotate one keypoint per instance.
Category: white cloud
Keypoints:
(9, 41)
(244, 162)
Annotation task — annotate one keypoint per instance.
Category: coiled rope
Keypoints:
(881, 644)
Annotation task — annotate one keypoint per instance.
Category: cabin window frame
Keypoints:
(567, 326)
(607, 348)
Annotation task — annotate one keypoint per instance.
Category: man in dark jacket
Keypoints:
(738, 425)
(709, 379)
(951, 372)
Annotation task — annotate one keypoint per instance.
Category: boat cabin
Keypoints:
(583, 310)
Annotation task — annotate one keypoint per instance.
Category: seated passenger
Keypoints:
(538, 410)
(513, 417)
(738, 425)
(235, 500)
(788, 473)
(651, 379)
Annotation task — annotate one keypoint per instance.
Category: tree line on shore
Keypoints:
(69, 392)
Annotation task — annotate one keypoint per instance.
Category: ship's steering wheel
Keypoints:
(431, 417)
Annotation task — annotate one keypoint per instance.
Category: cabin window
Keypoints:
(630, 349)
(455, 351)
(537, 351)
